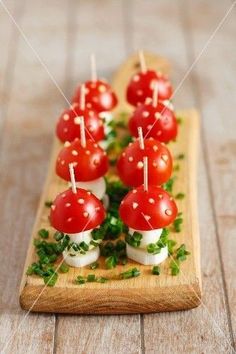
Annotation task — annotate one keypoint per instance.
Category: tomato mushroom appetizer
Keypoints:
(99, 95)
(68, 126)
(90, 163)
(146, 210)
(130, 163)
(76, 212)
(156, 119)
(141, 85)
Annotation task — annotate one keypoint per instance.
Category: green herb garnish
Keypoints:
(91, 278)
(80, 280)
(48, 203)
(180, 196)
(182, 253)
(177, 224)
(43, 233)
(134, 240)
(131, 273)
(111, 262)
(168, 186)
(180, 156)
(156, 270)
(64, 268)
(174, 266)
(94, 265)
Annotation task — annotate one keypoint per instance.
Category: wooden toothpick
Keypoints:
(93, 67)
(141, 140)
(155, 94)
(145, 173)
(82, 132)
(72, 178)
(142, 62)
(82, 97)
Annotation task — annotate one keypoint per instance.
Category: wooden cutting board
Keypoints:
(146, 293)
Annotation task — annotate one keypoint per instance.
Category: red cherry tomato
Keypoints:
(99, 96)
(130, 163)
(147, 210)
(157, 122)
(141, 87)
(73, 213)
(90, 162)
(68, 126)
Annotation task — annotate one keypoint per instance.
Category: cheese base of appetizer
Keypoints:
(79, 237)
(96, 186)
(82, 260)
(107, 116)
(106, 201)
(141, 256)
(151, 236)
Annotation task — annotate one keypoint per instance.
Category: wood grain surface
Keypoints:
(64, 33)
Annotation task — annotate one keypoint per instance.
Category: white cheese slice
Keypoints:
(84, 236)
(81, 260)
(96, 186)
(143, 257)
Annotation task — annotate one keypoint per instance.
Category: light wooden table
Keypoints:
(64, 33)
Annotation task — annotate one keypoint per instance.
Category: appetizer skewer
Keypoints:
(68, 126)
(130, 163)
(89, 160)
(156, 119)
(99, 94)
(142, 84)
(146, 210)
(76, 212)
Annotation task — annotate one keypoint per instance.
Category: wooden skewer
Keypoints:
(82, 97)
(142, 62)
(93, 67)
(72, 178)
(141, 140)
(155, 95)
(145, 173)
(82, 132)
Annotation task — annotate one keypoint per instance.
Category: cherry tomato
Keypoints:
(99, 96)
(68, 126)
(130, 163)
(157, 122)
(141, 87)
(148, 210)
(76, 212)
(90, 162)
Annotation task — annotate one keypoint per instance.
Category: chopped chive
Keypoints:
(64, 268)
(180, 196)
(131, 273)
(180, 156)
(174, 266)
(176, 167)
(179, 120)
(43, 233)
(177, 224)
(156, 270)
(48, 203)
(111, 262)
(101, 280)
(80, 280)
(94, 265)
(182, 253)
(91, 278)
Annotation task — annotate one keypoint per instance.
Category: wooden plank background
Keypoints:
(64, 33)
